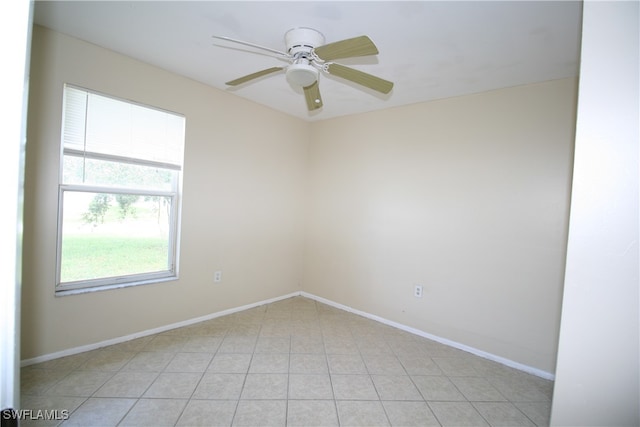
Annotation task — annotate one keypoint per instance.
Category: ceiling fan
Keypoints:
(309, 57)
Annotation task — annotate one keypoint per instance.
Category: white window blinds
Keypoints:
(98, 126)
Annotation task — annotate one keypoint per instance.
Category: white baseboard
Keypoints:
(483, 354)
(94, 346)
(507, 362)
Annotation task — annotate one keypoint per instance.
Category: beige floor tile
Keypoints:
(457, 414)
(306, 327)
(346, 364)
(477, 389)
(538, 412)
(240, 369)
(361, 413)
(149, 361)
(171, 385)
(404, 344)
(244, 330)
(251, 316)
(154, 412)
(208, 413)
(269, 363)
(307, 343)
(434, 388)
(237, 344)
(340, 345)
(419, 365)
(519, 389)
(35, 381)
(353, 387)
(486, 367)
(541, 384)
(310, 386)
(410, 414)
(165, 343)
(502, 414)
(303, 363)
(374, 348)
(189, 362)
(100, 412)
(127, 384)
(107, 360)
(223, 321)
(383, 364)
(230, 363)
(201, 344)
(268, 344)
(265, 386)
(80, 383)
(265, 413)
(276, 330)
(312, 413)
(395, 387)
(66, 363)
(219, 386)
(456, 366)
(61, 405)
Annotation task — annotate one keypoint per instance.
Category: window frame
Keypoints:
(174, 194)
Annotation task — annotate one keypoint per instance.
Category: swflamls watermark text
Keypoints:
(35, 414)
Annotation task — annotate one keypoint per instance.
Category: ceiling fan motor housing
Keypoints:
(300, 42)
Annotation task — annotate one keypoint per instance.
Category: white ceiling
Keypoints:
(429, 49)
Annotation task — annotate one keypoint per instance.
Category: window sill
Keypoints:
(100, 288)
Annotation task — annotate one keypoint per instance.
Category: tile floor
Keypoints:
(294, 362)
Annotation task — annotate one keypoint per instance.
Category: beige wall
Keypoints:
(467, 196)
(242, 206)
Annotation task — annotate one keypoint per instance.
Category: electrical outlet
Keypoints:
(417, 291)
(217, 276)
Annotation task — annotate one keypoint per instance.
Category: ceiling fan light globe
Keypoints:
(302, 75)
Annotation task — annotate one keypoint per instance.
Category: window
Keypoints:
(119, 193)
